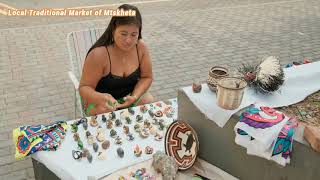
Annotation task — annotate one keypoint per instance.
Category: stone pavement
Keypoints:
(185, 38)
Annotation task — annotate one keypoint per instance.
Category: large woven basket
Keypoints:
(215, 74)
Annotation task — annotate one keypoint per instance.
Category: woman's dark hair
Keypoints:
(107, 37)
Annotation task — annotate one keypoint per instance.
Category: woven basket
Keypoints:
(215, 74)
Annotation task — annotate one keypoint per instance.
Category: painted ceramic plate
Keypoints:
(181, 142)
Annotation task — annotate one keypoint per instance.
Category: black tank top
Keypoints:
(118, 86)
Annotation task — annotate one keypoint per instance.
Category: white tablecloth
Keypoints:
(65, 167)
(300, 81)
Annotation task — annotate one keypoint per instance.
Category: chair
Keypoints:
(79, 43)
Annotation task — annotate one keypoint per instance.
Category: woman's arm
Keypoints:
(93, 70)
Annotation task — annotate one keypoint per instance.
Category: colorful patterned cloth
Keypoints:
(267, 133)
(30, 139)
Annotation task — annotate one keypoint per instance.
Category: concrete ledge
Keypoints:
(217, 147)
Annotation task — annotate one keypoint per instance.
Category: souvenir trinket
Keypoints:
(155, 121)
(100, 134)
(85, 152)
(120, 152)
(161, 126)
(144, 133)
(159, 104)
(76, 136)
(118, 123)
(82, 120)
(126, 129)
(124, 114)
(93, 121)
(113, 133)
(109, 124)
(95, 146)
(148, 150)
(112, 115)
(130, 137)
(76, 154)
(137, 150)
(128, 120)
(139, 118)
(90, 140)
(143, 109)
(131, 110)
(102, 155)
(89, 157)
(158, 114)
(88, 134)
(74, 127)
(118, 140)
(122, 178)
(158, 137)
(85, 125)
(164, 164)
(146, 124)
(137, 127)
(80, 144)
(104, 119)
(151, 113)
(105, 144)
(196, 88)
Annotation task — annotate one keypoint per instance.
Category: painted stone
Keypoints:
(88, 134)
(113, 133)
(109, 124)
(118, 122)
(76, 154)
(74, 127)
(137, 128)
(112, 116)
(120, 152)
(137, 150)
(105, 144)
(103, 118)
(158, 114)
(131, 110)
(148, 150)
(93, 122)
(90, 140)
(85, 125)
(130, 137)
(182, 144)
(196, 88)
(151, 113)
(95, 146)
(139, 118)
(158, 137)
(126, 129)
(80, 144)
(118, 140)
(144, 133)
(89, 157)
(85, 152)
(146, 124)
(143, 109)
(76, 136)
(128, 120)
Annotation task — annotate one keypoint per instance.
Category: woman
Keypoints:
(117, 71)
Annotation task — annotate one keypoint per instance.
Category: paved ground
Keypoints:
(185, 38)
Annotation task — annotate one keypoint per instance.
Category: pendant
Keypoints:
(76, 154)
(105, 144)
(137, 150)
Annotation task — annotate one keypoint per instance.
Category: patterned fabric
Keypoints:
(284, 141)
(30, 139)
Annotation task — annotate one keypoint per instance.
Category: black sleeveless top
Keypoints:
(118, 86)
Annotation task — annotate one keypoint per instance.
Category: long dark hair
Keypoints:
(107, 37)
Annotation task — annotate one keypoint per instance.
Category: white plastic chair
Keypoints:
(79, 43)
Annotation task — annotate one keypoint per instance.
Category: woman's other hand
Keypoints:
(128, 100)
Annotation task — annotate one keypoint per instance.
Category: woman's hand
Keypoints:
(128, 100)
(104, 103)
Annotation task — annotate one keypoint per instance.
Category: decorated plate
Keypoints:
(181, 142)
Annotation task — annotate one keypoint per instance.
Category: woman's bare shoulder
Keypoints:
(98, 55)
(142, 46)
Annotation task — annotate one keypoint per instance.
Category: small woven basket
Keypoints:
(215, 74)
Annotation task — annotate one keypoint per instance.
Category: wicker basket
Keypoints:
(215, 74)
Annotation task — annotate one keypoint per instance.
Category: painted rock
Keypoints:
(131, 110)
(85, 125)
(74, 128)
(93, 121)
(100, 137)
(88, 134)
(76, 136)
(80, 144)
(144, 133)
(151, 113)
(137, 150)
(153, 130)
(148, 150)
(109, 124)
(155, 121)
(104, 119)
(120, 152)
(146, 124)
(126, 129)
(143, 109)
(76, 154)
(85, 152)
(90, 140)
(118, 140)
(95, 146)
(158, 114)
(130, 137)
(158, 137)
(113, 133)
(196, 88)
(118, 122)
(128, 120)
(89, 157)
(137, 127)
(112, 116)
(139, 118)
(105, 144)
(161, 126)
